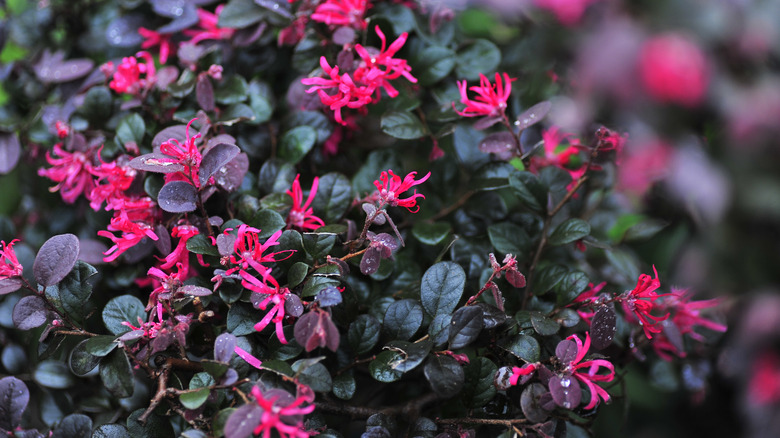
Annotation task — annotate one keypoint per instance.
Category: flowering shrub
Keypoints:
(211, 243)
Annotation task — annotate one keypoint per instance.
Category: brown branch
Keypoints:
(459, 203)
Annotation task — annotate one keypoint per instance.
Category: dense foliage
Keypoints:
(333, 218)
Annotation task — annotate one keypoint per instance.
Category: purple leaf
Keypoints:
(293, 306)
(566, 351)
(672, 333)
(91, 251)
(204, 92)
(330, 296)
(530, 403)
(123, 31)
(156, 162)
(315, 329)
(533, 115)
(10, 150)
(55, 259)
(163, 242)
(30, 312)
(226, 244)
(224, 347)
(242, 422)
(129, 336)
(369, 263)
(177, 132)
(14, 397)
(503, 144)
(603, 327)
(195, 291)
(231, 175)
(52, 68)
(565, 391)
(486, 122)
(215, 159)
(8, 285)
(343, 35)
(178, 197)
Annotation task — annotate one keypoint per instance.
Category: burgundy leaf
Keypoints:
(177, 132)
(602, 328)
(503, 144)
(92, 251)
(226, 244)
(30, 312)
(465, 326)
(486, 122)
(530, 403)
(178, 197)
(293, 306)
(156, 162)
(533, 115)
(566, 351)
(369, 263)
(216, 158)
(224, 347)
(10, 151)
(8, 285)
(515, 278)
(565, 391)
(242, 422)
(195, 291)
(231, 175)
(204, 92)
(55, 259)
(14, 397)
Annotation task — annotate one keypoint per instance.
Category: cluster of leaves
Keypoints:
(342, 313)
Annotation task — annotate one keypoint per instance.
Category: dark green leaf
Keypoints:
(318, 245)
(439, 330)
(97, 105)
(442, 287)
(334, 196)
(644, 230)
(481, 56)
(402, 319)
(314, 119)
(241, 319)
(432, 64)
(400, 16)
(465, 326)
(479, 388)
(431, 233)
(315, 376)
(525, 347)
(53, 374)
(569, 231)
(73, 426)
(111, 431)
(570, 287)
(232, 89)
(124, 308)
(544, 325)
(238, 14)
(268, 222)
(531, 402)
(492, 176)
(234, 114)
(315, 284)
(403, 125)
(344, 386)
(215, 368)
(297, 274)
(412, 354)
(567, 317)
(71, 295)
(55, 259)
(296, 143)
(199, 244)
(466, 141)
(81, 361)
(261, 100)
(193, 399)
(381, 368)
(117, 374)
(154, 427)
(363, 333)
(101, 345)
(529, 190)
(130, 131)
(548, 278)
(508, 238)
(445, 375)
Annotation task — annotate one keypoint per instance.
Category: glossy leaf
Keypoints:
(217, 157)
(363, 333)
(344, 386)
(431, 233)
(445, 375)
(117, 374)
(382, 369)
(334, 196)
(603, 327)
(14, 397)
(531, 403)
(569, 231)
(481, 56)
(296, 143)
(55, 259)
(124, 308)
(53, 374)
(402, 125)
(30, 312)
(479, 388)
(465, 327)
(442, 287)
(508, 238)
(565, 390)
(402, 319)
(531, 192)
(178, 197)
(81, 361)
(524, 347)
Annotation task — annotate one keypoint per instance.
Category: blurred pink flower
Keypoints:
(127, 77)
(641, 165)
(568, 12)
(342, 13)
(71, 172)
(674, 69)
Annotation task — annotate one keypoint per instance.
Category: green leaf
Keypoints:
(111, 431)
(315, 284)
(569, 231)
(215, 368)
(199, 244)
(381, 368)
(97, 106)
(524, 347)
(297, 274)
(194, 399)
(402, 319)
(570, 287)
(334, 196)
(296, 143)
(241, 319)
(53, 374)
(81, 361)
(431, 233)
(445, 375)
(117, 374)
(101, 345)
(481, 56)
(131, 130)
(548, 277)
(268, 222)
(644, 230)
(400, 17)
(234, 114)
(72, 293)
(344, 386)
(230, 90)
(403, 125)
(73, 426)
(154, 426)
(479, 388)
(363, 334)
(439, 330)
(544, 325)
(315, 376)
(124, 308)
(442, 287)
(492, 176)
(314, 119)
(261, 100)
(238, 14)
(432, 64)
(531, 192)
(508, 238)
(318, 245)
(412, 353)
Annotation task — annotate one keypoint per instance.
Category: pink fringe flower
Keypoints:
(390, 186)
(342, 13)
(491, 98)
(301, 214)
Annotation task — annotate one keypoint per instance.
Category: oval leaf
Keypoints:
(10, 151)
(178, 197)
(403, 319)
(363, 333)
(403, 125)
(445, 375)
(215, 159)
(14, 397)
(603, 327)
(569, 231)
(466, 325)
(442, 287)
(156, 162)
(117, 374)
(565, 390)
(124, 308)
(296, 143)
(533, 115)
(30, 312)
(55, 259)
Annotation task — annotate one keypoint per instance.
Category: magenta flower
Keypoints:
(112, 180)
(686, 315)
(167, 284)
(209, 29)
(132, 233)
(586, 299)
(301, 214)
(586, 372)
(281, 412)
(249, 252)
(378, 68)
(674, 69)
(568, 12)
(342, 13)
(153, 38)
(71, 172)
(764, 386)
(276, 314)
(127, 77)
(491, 98)
(9, 264)
(641, 301)
(343, 90)
(186, 154)
(391, 187)
(180, 254)
(519, 373)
